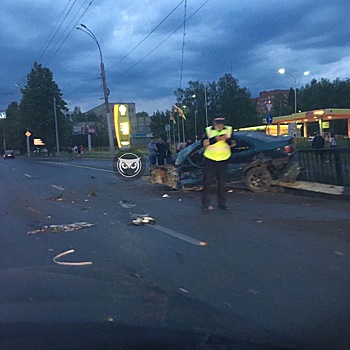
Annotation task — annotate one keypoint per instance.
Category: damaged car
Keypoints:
(257, 161)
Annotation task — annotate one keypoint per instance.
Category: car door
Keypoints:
(242, 153)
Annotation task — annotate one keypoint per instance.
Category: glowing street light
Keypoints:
(282, 71)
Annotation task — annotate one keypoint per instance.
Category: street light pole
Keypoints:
(87, 31)
(195, 118)
(56, 128)
(206, 104)
(283, 71)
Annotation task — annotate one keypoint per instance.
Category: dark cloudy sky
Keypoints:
(142, 41)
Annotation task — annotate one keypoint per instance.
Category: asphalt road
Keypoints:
(272, 271)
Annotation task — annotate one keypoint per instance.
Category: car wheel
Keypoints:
(258, 179)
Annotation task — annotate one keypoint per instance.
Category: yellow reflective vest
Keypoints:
(220, 150)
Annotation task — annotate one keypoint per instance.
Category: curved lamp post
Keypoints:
(87, 31)
(283, 71)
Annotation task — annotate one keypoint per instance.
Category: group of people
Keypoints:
(318, 141)
(159, 153)
(79, 150)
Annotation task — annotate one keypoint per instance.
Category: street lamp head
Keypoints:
(281, 71)
(83, 25)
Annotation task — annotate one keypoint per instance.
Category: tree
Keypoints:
(224, 96)
(11, 128)
(37, 107)
(157, 125)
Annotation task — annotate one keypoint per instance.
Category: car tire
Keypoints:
(258, 179)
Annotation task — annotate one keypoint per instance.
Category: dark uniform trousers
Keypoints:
(212, 170)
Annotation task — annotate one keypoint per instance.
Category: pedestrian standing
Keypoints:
(217, 142)
(169, 158)
(333, 141)
(318, 145)
(152, 152)
(161, 151)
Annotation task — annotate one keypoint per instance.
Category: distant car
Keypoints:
(9, 154)
(256, 160)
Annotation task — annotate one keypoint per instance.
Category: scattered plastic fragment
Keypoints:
(110, 319)
(126, 204)
(61, 228)
(165, 195)
(259, 221)
(139, 221)
(339, 253)
(82, 263)
(183, 290)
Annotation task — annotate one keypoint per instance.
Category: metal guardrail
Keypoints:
(327, 166)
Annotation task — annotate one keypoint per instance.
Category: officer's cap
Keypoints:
(219, 120)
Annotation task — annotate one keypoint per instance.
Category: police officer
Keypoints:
(217, 142)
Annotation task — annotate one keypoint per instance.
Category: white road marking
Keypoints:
(60, 188)
(80, 166)
(178, 235)
(27, 175)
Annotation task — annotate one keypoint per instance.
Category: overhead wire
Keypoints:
(40, 55)
(136, 46)
(149, 34)
(163, 41)
(75, 24)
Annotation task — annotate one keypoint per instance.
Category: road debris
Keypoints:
(59, 198)
(61, 228)
(127, 204)
(92, 193)
(183, 290)
(82, 263)
(339, 253)
(165, 195)
(143, 220)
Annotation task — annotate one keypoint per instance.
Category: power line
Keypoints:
(163, 41)
(152, 31)
(65, 39)
(133, 49)
(58, 28)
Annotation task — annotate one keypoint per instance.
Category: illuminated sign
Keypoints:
(122, 125)
(38, 142)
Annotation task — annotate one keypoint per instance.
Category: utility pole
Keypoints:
(56, 128)
(87, 31)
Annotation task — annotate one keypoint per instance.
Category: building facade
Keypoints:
(266, 97)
